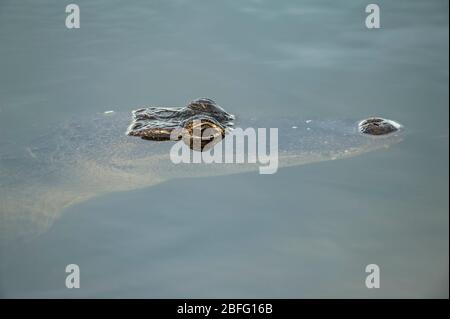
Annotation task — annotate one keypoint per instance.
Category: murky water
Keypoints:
(306, 231)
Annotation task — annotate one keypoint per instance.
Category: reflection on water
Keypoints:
(307, 231)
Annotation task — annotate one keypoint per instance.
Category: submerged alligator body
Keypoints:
(97, 156)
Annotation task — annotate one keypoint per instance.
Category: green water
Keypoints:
(304, 232)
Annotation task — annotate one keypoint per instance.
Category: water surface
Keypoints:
(306, 231)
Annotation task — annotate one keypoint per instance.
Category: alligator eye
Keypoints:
(203, 104)
(378, 126)
(202, 133)
(202, 121)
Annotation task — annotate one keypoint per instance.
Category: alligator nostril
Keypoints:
(378, 126)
